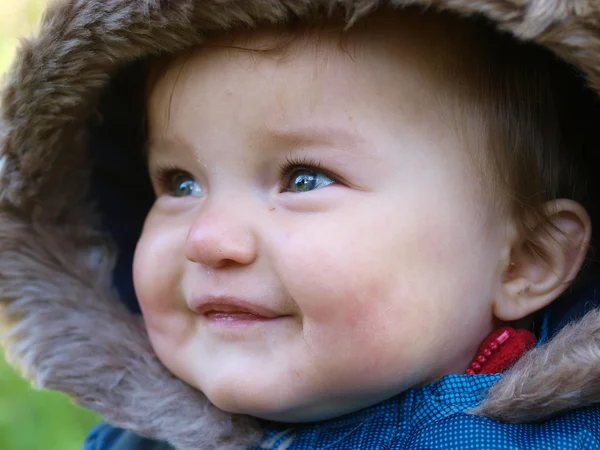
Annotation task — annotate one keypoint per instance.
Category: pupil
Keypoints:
(305, 181)
(184, 187)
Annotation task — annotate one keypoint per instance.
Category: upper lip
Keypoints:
(229, 304)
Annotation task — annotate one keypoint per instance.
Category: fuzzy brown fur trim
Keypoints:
(536, 387)
(61, 321)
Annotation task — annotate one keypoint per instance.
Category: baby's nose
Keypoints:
(217, 239)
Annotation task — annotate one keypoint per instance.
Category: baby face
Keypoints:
(320, 241)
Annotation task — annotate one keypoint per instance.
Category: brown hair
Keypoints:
(541, 126)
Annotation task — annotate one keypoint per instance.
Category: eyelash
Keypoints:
(163, 174)
(290, 163)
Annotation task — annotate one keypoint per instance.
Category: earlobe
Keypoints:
(533, 279)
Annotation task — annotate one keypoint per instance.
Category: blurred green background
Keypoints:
(31, 419)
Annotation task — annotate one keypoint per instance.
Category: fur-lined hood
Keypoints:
(60, 318)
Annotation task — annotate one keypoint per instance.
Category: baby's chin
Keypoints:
(269, 404)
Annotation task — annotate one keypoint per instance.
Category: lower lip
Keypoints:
(236, 319)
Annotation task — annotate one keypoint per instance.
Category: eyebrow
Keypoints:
(160, 142)
(331, 135)
(340, 137)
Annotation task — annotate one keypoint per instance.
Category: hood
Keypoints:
(64, 287)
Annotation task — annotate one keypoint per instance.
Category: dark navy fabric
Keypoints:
(106, 437)
(103, 437)
(120, 186)
(573, 305)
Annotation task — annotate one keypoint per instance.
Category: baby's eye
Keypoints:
(183, 185)
(305, 180)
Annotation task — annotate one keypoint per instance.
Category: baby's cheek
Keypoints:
(150, 283)
(351, 302)
(354, 331)
(156, 283)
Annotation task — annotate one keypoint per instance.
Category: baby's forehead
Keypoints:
(386, 79)
(392, 71)
(429, 42)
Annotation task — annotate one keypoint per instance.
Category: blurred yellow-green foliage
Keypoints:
(31, 419)
(17, 18)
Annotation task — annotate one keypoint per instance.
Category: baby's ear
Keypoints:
(533, 279)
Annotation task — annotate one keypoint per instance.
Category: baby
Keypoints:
(363, 219)
(343, 216)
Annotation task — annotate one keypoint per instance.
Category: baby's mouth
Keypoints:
(232, 309)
